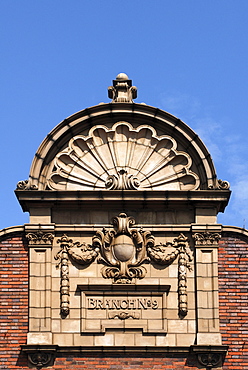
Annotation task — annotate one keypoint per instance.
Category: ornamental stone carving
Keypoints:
(81, 253)
(25, 185)
(158, 254)
(40, 359)
(206, 238)
(123, 251)
(210, 360)
(122, 90)
(223, 185)
(122, 157)
(62, 257)
(40, 237)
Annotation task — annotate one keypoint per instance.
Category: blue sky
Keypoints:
(189, 58)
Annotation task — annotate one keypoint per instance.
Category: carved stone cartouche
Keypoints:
(123, 250)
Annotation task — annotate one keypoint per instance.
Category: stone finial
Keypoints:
(122, 90)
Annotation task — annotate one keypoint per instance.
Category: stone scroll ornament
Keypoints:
(123, 250)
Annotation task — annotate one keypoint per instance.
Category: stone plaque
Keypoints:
(113, 310)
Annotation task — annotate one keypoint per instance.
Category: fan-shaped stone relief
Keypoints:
(122, 157)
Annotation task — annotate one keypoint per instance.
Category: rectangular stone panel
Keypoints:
(119, 309)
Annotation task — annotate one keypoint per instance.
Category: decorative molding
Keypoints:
(40, 359)
(223, 185)
(158, 254)
(25, 185)
(123, 250)
(219, 185)
(185, 256)
(206, 238)
(62, 256)
(210, 356)
(124, 158)
(209, 360)
(122, 90)
(122, 181)
(123, 315)
(40, 237)
(80, 252)
(40, 355)
(196, 350)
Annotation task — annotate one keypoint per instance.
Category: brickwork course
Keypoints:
(233, 299)
(13, 302)
(233, 289)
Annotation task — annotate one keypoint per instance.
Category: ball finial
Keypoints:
(122, 76)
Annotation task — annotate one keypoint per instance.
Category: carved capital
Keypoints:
(206, 238)
(40, 237)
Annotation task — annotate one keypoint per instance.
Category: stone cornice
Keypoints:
(9, 231)
(235, 230)
(158, 200)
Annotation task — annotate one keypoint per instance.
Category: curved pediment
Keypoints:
(122, 157)
(122, 146)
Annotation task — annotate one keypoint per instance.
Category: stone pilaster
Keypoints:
(40, 240)
(206, 254)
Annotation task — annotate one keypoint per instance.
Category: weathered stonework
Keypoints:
(123, 241)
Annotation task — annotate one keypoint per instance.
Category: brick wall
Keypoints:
(124, 363)
(13, 302)
(233, 297)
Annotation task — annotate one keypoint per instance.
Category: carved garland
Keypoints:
(182, 251)
(123, 250)
(62, 256)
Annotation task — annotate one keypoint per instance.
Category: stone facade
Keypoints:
(126, 261)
